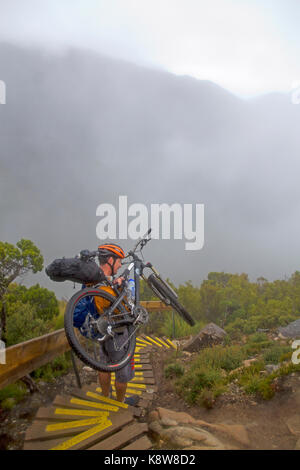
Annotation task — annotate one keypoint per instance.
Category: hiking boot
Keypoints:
(132, 401)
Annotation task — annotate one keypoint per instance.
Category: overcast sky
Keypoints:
(246, 46)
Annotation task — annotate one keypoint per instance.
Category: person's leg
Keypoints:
(104, 379)
(120, 390)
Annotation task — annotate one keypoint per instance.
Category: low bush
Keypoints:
(173, 370)
(59, 366)
(12, 394)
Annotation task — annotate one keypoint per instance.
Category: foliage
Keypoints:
(12, 394)
(44, 301)
(23, 323)
(213, 369)
(18, 260)
(173, 370)
(59, 366)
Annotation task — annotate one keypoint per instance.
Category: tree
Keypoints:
(23, 323)
(43, 300)
(16, 261)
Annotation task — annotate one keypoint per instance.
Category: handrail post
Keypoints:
(76, 370)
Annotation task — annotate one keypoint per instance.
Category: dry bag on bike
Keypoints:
(76, 270)
(84, 313)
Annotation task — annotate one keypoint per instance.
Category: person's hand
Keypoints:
(119, 280)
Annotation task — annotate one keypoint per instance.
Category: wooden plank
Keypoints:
(161, 341)
(155, 305)
(141, 361)
(42, 445)
(95, 396)
(40, 431)
(84, 440)
(52, 413)
(143, 366)
(144, 380)
(121, 438)
(153, 341)
(143, 443)
(82, 404)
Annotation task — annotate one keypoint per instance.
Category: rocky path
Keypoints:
(249, 423)
(235, 422)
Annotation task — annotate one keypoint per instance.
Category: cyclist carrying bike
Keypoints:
(110, 258)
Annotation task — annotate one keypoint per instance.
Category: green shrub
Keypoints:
(8, 404)
(23, 323)
(173, 370)
(274, 354)
(194, 382)
(12, 394)
(59, 366)
(219, 357)
(258, 337)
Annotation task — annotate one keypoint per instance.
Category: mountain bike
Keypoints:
(122, 314)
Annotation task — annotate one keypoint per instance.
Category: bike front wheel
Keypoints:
(83, 334)
(165, 293)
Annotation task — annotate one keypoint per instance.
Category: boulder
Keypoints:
(209, 336)
(292, 330)
(184, 431)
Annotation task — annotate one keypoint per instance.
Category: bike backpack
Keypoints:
(84, 311)
(76, 270)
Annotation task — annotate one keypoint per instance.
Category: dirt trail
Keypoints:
(271, 424)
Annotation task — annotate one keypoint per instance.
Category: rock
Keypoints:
(293, 424)
(155, 427)
(183, 437)
(153, 416)
(168, 422)
(181, 427)
(236, 431)
(272, 368)
(292, 330)
(297, 446)
(179, 416)
(210, 335)
(88, 369)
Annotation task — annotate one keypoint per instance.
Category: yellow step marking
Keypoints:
(66, 411)
(82, 436)
(143, 341)
(101, 406)
(75, 424)
(106, 399)
(162, 342)
(133, 385)
(171, 343)
(130, 390)
(136, 373)
(155, 342)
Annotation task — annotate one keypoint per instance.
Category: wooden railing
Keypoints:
(23, 358)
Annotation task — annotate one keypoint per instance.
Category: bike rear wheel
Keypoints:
(84, 340)
(167, 296)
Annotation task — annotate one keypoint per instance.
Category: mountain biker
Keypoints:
(110, 258)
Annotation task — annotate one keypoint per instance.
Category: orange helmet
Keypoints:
(110, 249)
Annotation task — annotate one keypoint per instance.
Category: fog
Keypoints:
(79, 129)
